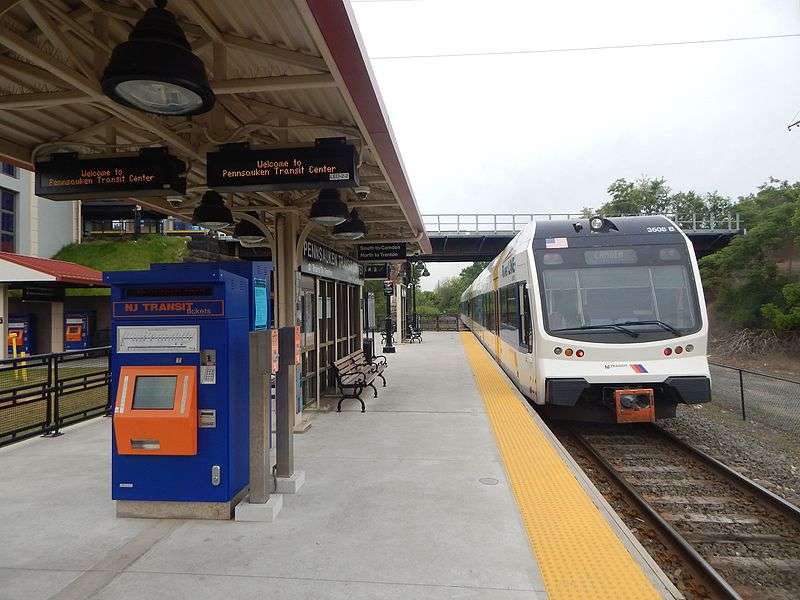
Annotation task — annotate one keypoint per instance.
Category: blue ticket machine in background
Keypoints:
(23, 327)
(180, 381)
(77, 330)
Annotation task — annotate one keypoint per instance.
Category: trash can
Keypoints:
(369, 350)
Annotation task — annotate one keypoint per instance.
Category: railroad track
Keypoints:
(741, 540)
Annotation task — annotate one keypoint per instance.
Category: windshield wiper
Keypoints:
(609, 326)
(661, 324)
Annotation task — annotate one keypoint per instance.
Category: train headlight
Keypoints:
(689, 347)
(678, 349)
(557, 351)
(568, 352)
(596, 223)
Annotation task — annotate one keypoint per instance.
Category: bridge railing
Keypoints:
(485, 223)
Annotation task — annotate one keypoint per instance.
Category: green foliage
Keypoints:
(125, 255)
(751, 280)
(654, 196)
(786, 316)
(448, 292)
(122, 255)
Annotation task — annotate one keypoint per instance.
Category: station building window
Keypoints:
(329, 306)
(9, 169)
(8, 218)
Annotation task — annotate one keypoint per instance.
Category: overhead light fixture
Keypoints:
(352, 229)
(156, 70)
(249, 233)
(328, 209)
(212, 213)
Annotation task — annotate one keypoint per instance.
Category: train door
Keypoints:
(527, 364)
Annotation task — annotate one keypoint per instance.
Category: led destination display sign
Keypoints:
(381, 252)
(330, 164)
(152, 172)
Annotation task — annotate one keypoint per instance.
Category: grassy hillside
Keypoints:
(125, 255)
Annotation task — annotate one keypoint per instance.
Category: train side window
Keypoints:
(525, 319)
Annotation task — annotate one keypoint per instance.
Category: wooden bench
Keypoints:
(354, 374)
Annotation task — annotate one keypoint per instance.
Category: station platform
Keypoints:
(448, 486)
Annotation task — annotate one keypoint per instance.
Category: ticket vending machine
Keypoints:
(180, 382)
(23, 328)
(77, 330)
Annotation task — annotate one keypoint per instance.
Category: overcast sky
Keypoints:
(548, 132)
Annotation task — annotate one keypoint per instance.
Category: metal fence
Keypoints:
(42, 393)
(439, 323)
(772, 401)
(489, 223)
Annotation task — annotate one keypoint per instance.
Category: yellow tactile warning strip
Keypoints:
(579, 555)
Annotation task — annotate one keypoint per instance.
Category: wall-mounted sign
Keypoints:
(376, 271)
(43, 293)
(388, 287)
(381, 252)
(151, 172)
(322, 261)
(274, 365)
(194, 308)
(331, 163)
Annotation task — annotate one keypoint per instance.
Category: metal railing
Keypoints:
(471, 224)
(766, 399)
(40, 394)
(438, 323)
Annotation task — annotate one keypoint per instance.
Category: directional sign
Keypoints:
(331, 163)
(381, 252)
(376, 271)
(152, 172)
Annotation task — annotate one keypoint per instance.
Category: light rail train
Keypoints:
(596, 319)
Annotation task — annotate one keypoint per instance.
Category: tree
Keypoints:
(653, 196)
(752, 280)
(643, 196)
(448, 292)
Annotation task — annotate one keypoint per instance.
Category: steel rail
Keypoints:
(720, 586)
(742, 481)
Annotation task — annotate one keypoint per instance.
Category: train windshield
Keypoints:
(618, 294)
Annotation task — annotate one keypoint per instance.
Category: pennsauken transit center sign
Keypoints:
(331, 163)
(152, 172)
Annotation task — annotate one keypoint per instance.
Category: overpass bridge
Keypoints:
(482, 236)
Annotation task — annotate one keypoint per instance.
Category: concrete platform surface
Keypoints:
(409, 500)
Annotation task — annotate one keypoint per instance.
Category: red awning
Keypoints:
(18, 268)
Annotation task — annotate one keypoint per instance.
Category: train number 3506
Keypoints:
(659, 229)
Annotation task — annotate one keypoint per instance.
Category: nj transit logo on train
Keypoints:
(637, 368)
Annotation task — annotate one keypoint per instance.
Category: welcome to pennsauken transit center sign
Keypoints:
(331, 163)
(153, 172)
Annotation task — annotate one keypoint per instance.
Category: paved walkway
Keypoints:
(409, 500)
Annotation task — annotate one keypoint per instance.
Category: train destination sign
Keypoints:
(237, 167)
(381, 252)
(153, 172)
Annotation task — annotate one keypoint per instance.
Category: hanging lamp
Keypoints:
(352, 229)
(156, 71)
(328, 209)
(212, 213)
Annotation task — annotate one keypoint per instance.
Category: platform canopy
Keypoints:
(17, 269)
(284, 72)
